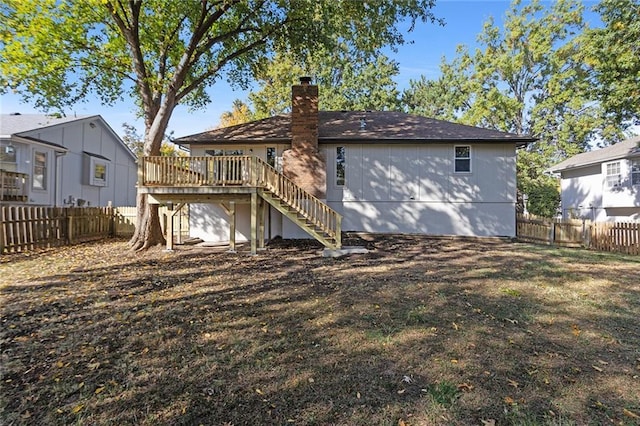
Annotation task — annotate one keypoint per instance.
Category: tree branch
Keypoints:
(197, 81)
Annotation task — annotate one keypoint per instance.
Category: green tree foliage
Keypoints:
(164, 53)
(345, 81)
(240, 113)
(135, 142)
(614, 53)
(527, 78)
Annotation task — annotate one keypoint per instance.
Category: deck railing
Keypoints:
(239, 170)
(197, 171)
(13, 186)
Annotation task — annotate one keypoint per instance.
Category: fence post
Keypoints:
(552, 232)
(3, 225)
(111, 217)
(70, 229)
(585, 234)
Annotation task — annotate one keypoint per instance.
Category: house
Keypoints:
(602, 185)
(64, 161)
(322, 172)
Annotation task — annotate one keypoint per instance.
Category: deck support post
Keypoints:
(254, 223)
(261, 212)
(232, 226)
(168, 219)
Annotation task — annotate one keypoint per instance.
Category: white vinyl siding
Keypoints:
(415, 188)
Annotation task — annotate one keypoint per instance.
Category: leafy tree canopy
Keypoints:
(135, 142)
(240, 113)
(345, 81)
(614, 53)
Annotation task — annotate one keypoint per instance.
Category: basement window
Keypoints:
(462, 159)
(340, 165)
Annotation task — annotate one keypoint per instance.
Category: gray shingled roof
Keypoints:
(626, 149)
(15, 124)
(345, 127)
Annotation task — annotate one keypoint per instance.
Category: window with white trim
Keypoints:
(99, 173)
(462, 159)
(96, 169)
(613, 176)
(635, 172)
(340, 165)
(39, 170)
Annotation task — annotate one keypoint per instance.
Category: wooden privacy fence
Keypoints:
(25, 228)
(622, 237)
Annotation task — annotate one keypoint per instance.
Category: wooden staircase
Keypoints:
(301, 218)
(308, 212)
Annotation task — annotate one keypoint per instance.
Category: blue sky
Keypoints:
(464, 20)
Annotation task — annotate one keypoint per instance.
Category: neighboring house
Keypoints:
(68, 161)
(382, 172)
(602, 185)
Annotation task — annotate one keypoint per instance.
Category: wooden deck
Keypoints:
(14, 186)
(228, 180)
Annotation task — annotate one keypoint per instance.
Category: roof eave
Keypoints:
(595, 162)
(29, 139)
(232, 141)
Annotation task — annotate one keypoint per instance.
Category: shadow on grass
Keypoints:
(419, 330)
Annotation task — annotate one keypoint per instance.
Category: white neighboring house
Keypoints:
(602, 185)
(64, 161)
(384, 172)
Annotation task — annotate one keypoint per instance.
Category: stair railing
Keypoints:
(311, 208)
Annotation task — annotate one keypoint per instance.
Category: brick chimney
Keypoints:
(304, 163)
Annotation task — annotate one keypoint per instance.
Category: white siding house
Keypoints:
(384, 172)
(51, 161)
(602, 185)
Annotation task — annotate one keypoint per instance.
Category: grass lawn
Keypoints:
(417, 332)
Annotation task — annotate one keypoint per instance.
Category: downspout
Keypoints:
(58, 154)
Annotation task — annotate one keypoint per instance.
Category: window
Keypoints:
(635, 172)
(613, 177)
(96, 169)
(39, 170)
(462, 159)
(7, 152)
(340, 163)
(271, 156)
(99, 173)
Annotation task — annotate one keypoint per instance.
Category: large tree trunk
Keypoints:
(148, 230)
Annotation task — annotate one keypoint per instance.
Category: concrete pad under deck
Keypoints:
(344, 251)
